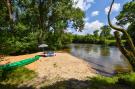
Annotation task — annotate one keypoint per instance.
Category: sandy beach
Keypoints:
(63, 66)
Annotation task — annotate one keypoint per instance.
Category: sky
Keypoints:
(96, 14)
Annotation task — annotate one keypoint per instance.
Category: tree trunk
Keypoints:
(9, 8)
(129, 54)
(10, 15)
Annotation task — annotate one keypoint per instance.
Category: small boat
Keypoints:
(19, 63)
(49, 54)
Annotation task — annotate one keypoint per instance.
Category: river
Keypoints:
(106, 60)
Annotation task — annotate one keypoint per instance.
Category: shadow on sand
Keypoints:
(8, 86)
(93, 83)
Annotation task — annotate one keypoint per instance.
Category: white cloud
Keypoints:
(95, 13)
(115, 7)
(114, 23)
(92, 26)
(114, 20)
(89, 27)
(83, 4)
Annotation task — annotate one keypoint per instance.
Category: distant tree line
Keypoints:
(98, 37)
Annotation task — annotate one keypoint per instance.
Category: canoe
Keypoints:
(19, 63)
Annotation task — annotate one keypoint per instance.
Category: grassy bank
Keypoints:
(124, 81)
(65, 72)
(99, 41)
(113, 42)
(11, 79)
(20, 75)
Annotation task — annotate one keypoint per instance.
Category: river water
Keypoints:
(106, 60)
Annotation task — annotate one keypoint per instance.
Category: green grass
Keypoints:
(109, 41)
(12, 79)
(113, 42)
(123, 81)
(21, 75)
(127, 79)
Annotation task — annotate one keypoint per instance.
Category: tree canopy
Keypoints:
(129, 52)
(106, 32)
(27, 23)
(127, 16)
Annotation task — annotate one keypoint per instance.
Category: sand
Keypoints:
(62, 66)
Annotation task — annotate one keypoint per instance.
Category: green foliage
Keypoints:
(104, 38)
(17, 76)
(91, 39)
(128, 52)
(95, 33)
(123, 81)
(127, 79)
(26, 24)
(58, 41)
(131, 31)
(127, 15)
(113, 42)
(106, 32)
(21, 41)
(86, 39)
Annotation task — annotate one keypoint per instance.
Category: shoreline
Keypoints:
(63, 66)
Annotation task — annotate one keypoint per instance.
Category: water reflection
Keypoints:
(107, 60)
(105, 51)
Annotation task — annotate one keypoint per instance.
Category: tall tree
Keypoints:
(127, 16)
(129, 53)
(131, 31)
(36, 21)
(106, 32)
(9, 8)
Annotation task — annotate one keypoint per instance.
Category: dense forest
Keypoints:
(104, 37)
(24, 24)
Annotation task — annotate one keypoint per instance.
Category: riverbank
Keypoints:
(62, 71)
(100, 42)
(63, 66)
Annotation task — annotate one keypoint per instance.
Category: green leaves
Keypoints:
(37, 21)
(127, 15)
(105, 33)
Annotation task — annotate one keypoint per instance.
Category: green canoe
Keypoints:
(19, 63)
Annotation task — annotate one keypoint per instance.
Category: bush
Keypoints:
(22, 41)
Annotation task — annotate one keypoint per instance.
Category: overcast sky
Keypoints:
(96, 13)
